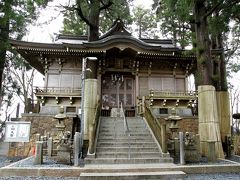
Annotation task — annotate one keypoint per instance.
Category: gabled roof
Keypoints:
(78, 46)
(118, 28)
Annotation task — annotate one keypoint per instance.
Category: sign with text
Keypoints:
(17, 131)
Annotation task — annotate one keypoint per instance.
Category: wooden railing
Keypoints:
(186, 94)
(93, 131)
(57, 90)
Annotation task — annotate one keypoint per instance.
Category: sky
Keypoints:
(48, 31)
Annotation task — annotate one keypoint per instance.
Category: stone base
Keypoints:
(63, 155)
(192, 155)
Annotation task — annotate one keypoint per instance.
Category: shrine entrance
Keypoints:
(117, 89)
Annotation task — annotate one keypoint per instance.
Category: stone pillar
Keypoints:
(37, 137)
(50, 146)
(143, 104)
(211, 151)
(223, 104)
(182, 151)
(176, 148)
(163, 138)
(208, 120)
(76, 148)
(39, 153)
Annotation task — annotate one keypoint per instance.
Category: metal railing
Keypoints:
(126, 128)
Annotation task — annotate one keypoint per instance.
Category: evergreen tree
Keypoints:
(15, 15)
(94, 17)
(205, 19)
(146, 22)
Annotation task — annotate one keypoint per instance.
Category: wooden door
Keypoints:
(116, 92)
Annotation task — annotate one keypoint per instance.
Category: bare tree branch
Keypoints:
(106, 6)
(80, 13)
(219, 6)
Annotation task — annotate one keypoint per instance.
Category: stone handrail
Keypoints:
(154, 124)
(93, 131)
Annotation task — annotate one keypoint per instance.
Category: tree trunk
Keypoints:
(4, 35)
(93, 18)
(204, 60)
(222, 65)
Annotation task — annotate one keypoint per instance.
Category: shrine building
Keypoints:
(118, 70)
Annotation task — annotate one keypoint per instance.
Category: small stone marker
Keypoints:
(76, 148)
(211, 151)
(182, 152)
(37, 136)
(39, 153)
(50, 146)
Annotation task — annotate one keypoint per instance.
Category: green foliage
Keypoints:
(146, 22)
(15, 16)
(74, 24)
(175, 18)
(19, 15)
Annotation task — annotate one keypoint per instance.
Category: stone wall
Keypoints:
(236, 144)
(40, 124)
(186, 124)
(189, 124)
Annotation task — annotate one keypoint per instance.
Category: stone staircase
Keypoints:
(114, 146)
(119, 156)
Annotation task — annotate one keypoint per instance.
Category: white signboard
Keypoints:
(17, 131)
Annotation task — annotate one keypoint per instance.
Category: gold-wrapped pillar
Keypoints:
(209, 129)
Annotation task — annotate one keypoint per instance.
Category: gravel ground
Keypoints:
(219, 176)
(51, 163)
(37, 178)
(4, 160)
(47, 162)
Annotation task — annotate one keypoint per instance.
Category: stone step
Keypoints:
(124, 132)
(127, 160)
(126, 149)
(167, 175)
(121, 123)
(134, 134)
(124, 144)
(126, 139)
(130, 154)
(122, 126)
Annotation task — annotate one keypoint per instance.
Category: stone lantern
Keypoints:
(64, 145)
(173, 141)
(61, 116)
(173, 119)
